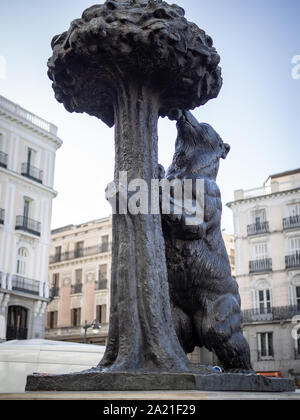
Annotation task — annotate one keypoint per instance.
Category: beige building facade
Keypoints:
(79, 281)
(267, 254)
(28, 146)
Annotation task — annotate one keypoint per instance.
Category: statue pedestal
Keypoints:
(97, 381)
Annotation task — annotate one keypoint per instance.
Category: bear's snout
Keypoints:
(226, 150)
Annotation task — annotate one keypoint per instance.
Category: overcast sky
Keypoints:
(257, 111)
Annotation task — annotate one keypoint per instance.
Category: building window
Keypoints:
(294, 246)
(264, 297)
(56, 280)
(104, 243)
(57, 254)
(78, 276)
(26, 208)
(55, 285)
(102, 274)
(298, 298)
(77, 287)
(79, 249)
(101, 314)
(258, 216)
(30, 156)
(294, 210)
(101, 283)
(261, 251)
(76, 317)
(22, 262)
(265, 346)
(52, 319)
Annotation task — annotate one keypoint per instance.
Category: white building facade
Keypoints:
(28, 146)
(267, 255)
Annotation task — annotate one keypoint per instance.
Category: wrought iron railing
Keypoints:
(3, 160)
(292, 261)
(260, 266)
(76, 288)
(32, 173)
(291, 222)
(82, 253)
(279, 313)
(2, 216)
(101, 284)
(258, 228)
(25, 285)
(28, 225)
(54, 292)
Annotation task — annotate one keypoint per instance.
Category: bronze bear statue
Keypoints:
(205, 300)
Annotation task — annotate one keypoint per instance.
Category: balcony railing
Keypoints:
(76, 288)
(101, 284)
(54, 292)
(3, 160)
(28, 225)
(80, 253)
(292, 261)
(291, 222)
(258, 228)
(260, 266)
(25, 285)
(279, 313)
(27, 116)
(32, 173)
(2, 216)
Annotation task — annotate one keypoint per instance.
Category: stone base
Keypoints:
(97, 381)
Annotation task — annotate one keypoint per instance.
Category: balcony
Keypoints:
(101, 284)
(2, 216)
(76, 288)
(80, 253)
(292, 261)
(280, 313)
(260, 266)
(3, 160)
(54, 292)
(32, 173)
(28, 225)
(258, 228)
(25, 285)
(291, 222)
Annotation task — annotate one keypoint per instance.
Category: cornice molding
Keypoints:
(262, 197)
(27, 183)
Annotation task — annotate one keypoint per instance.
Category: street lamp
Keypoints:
(96, 328)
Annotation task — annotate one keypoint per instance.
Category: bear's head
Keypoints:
(199, 147)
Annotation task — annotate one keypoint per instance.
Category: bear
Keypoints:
(204, 297)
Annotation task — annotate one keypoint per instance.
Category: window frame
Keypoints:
(268, 345)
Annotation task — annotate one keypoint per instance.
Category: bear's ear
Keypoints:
(161, 172)
(226, 150)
